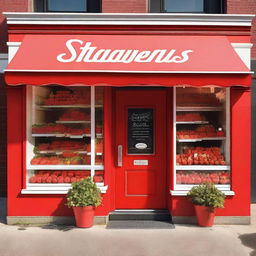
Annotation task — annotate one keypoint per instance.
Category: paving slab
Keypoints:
(184, 240)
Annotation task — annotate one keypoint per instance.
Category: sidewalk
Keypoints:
(184, 240)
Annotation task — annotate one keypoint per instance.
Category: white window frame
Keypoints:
(45, 188)
(182, 189)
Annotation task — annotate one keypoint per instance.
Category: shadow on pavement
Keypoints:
(3, 209)
(63, 228)
(59, 227)
(249, 240)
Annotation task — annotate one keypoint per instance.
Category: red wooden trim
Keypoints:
(108, 154)
(170, 142)
(24, 134)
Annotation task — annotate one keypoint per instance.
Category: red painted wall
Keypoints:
(3, 130)
(244, 7)
(6, 6)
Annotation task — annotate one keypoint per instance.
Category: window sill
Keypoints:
(184, 192)
(57, 190)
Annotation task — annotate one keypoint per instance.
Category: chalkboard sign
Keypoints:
(140, 131)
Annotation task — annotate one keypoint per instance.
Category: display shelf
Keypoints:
(50, 185)
(203, 167)
(65, 167)
(192, 122)
(97, 154)
(187, 187)
(54, 189)
(59, 135)
(201, 139)
(73, 122)
(184, 192)
(194, 108)
(45, 152)
(69, 106)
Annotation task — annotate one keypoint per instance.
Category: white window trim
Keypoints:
(46, 188)
(179, 19)
(182, 189)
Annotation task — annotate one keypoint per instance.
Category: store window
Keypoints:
(202, 148)
(67, 5)
(186, 6)
(64, 135)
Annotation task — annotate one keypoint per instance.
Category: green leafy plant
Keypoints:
(207, 194)
(84, 193)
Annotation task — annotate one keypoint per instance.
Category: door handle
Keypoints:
(119, 155)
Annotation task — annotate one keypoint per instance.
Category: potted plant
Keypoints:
(84, 196)
(206, 198)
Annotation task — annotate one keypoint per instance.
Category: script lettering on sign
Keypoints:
(140, 131)
(80, 51)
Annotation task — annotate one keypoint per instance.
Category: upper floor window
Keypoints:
(67, 6)
(187, 6)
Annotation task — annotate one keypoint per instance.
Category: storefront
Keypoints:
(148, 105)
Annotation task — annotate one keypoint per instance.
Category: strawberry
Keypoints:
(49, 180)
(60, 179)
(39, 179)
(32, 179)
(70, 174)
(54, 180)
(67, 179)
(73, 179)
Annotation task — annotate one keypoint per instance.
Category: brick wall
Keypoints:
(244, 7)
(10, 6)
(125, 6)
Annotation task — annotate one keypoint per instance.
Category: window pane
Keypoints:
(184, 5)
(67, 5)
(202, 136)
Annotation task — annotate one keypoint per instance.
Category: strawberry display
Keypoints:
(200, 156)
(56, 160)
(49, 128)
(190, 117)
(52, 128)
(201, 177)
(202, 131)
(66, 97)
(62, 176)
(98, 178)
(99, 129)
(197, 99)
(63, 145)
(99, 95)
(74, 115)
(99, 146)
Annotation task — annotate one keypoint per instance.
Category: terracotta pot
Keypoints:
(205, 215)
(84, 216)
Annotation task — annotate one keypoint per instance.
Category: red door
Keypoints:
(140, 149)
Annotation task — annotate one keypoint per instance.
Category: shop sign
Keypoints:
(126, 53)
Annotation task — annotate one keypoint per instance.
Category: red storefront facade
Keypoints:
(151, 101)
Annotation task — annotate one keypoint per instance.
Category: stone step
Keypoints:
(160, 215)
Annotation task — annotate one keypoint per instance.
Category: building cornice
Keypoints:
(179, 19)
